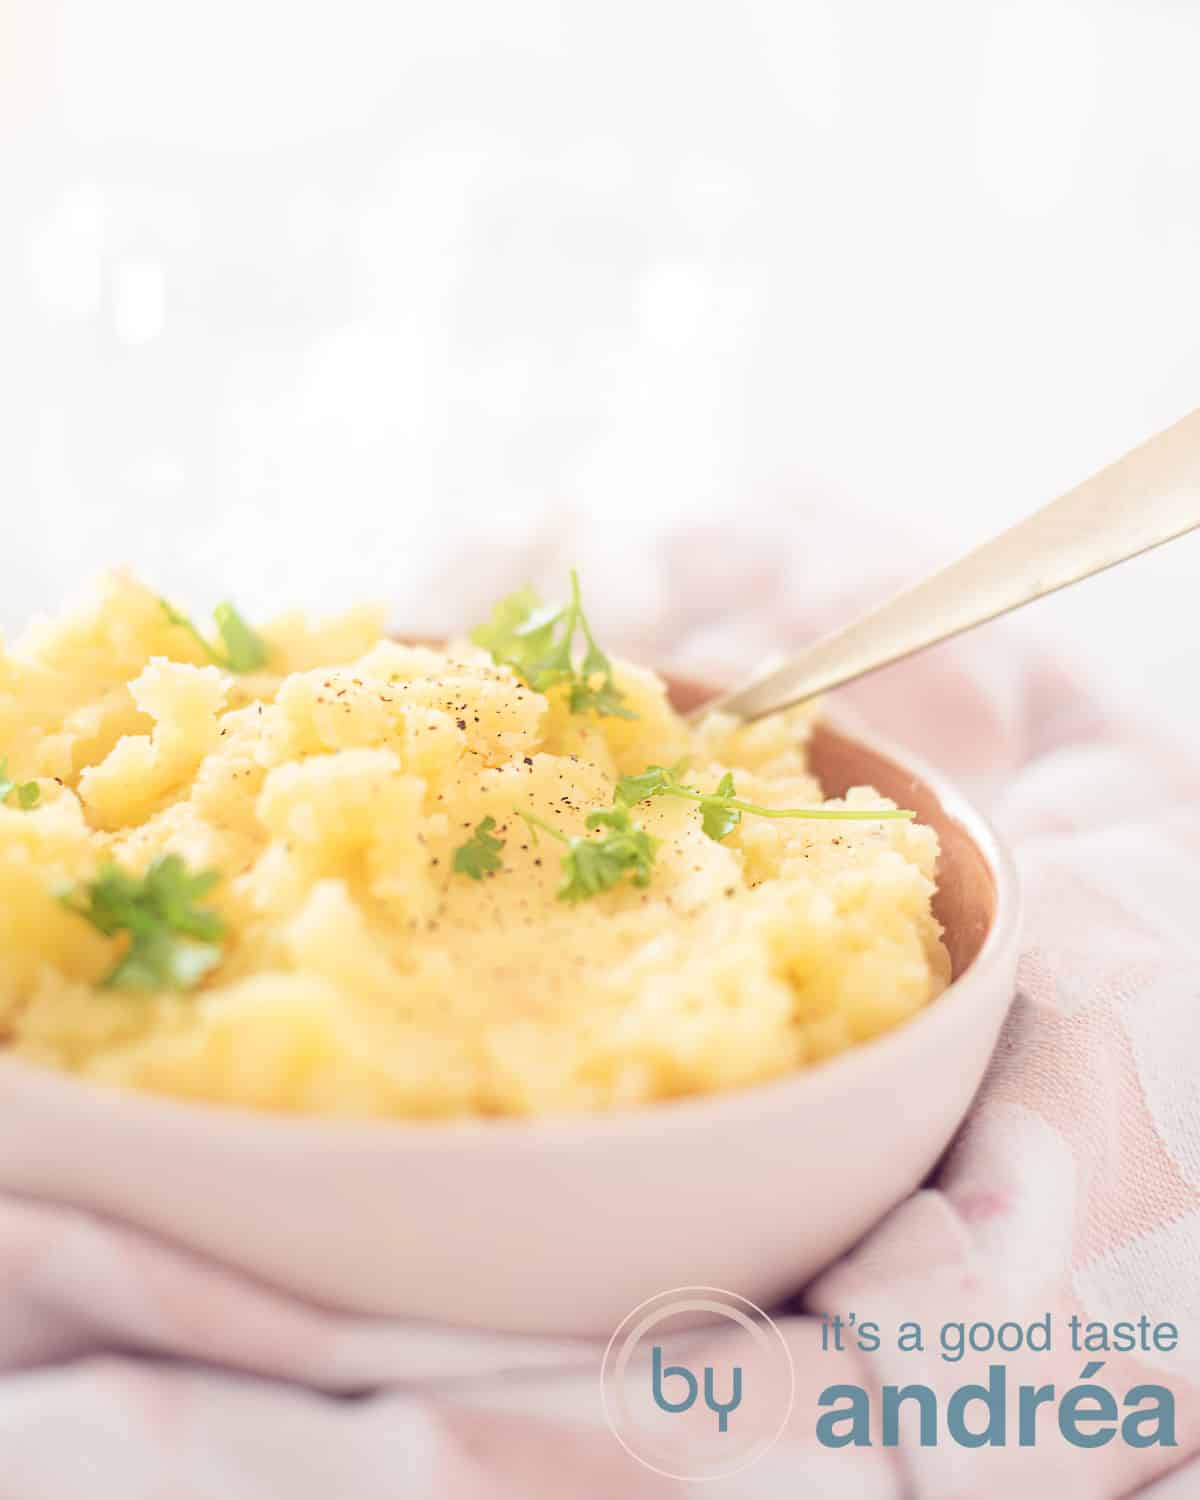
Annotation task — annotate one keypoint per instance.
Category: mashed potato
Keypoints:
(360, 974)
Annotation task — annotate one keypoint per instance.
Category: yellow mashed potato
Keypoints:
(360, 974)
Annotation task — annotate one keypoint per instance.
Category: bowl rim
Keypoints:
(165, 1112)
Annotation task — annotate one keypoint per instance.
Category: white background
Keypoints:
(297, 299)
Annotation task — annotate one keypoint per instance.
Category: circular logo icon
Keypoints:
(697, 1383)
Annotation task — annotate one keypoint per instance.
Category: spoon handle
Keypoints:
(1150, 496)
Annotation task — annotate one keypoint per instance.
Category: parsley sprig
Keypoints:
(480, 855)
(538, 642)
(594, 865)
(173, 941)
(721, 811)
(28, 792)
(245, 650)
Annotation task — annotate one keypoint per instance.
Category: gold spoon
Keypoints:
(1150, 496)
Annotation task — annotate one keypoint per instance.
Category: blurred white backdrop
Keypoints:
(295, 299)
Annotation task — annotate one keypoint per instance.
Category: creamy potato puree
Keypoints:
(360, 974)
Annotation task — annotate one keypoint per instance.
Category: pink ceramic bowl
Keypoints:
(562, 1226)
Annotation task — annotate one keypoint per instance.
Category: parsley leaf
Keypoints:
(631, 790)
(521, 635)
(594, 865)
(597, 864)
(245, 650)
(28, 792)
(480, 855)
(718, 815)
(537, 642)
(173, 941)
